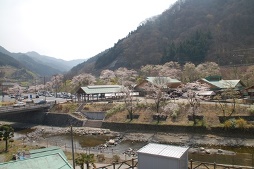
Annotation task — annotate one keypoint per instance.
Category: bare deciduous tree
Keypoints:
(228, 93)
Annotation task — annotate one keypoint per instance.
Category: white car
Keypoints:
(19, 104)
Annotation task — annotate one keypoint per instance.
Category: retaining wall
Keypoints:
(42, 118)
(64, 120)
(176, 129)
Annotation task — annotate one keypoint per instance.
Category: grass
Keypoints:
(208, 110)
(13, 148)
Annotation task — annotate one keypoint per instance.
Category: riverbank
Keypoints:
(42, 136)
(188, 139)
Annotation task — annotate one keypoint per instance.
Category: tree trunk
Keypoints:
(130, 114)
(193, 116)
(158, 118)
(6, 145)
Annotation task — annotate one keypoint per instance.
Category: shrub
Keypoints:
(116, 158)
(174, 115)
(251, 110)
(231, 123)
(141, 105)
(241, 123)
(100, 157)
(114, 110)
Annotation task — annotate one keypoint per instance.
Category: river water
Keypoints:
(93, 144)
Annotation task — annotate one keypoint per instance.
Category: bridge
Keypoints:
(27, 108)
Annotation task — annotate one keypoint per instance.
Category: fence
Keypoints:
(212, 162)
(207, 165)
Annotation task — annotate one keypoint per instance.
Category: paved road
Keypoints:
(6, 98)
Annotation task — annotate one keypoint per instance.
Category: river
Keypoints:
(94, 143)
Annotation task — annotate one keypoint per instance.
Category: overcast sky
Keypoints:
(71, 29)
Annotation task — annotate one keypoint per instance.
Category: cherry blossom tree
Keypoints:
(125, 76)
(189, 73)
(56, 81)
(156, 90)
(128, 100)
(170, 69)
(208, 69)
(83, 79)
(191, 90)
(148, 70)
(107, 76)
(248, 76)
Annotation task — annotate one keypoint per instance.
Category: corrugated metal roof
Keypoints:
(206, 93)
(164, 79)
(52, 161)
(102, 89)
(224, 84)
(163, 150)
(46, 151)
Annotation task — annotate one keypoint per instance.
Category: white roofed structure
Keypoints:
(162, 156)
(99, 91)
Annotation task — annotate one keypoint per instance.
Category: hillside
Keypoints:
(8, 60)
(38, 64)
(189, 31)
(36, 67)
(58, 64)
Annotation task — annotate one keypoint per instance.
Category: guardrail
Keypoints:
(199, 164)
(29, 107)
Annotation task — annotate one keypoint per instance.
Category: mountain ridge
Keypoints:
(189, 31)
(40, 64)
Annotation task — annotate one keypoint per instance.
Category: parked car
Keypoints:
(41, 102)
(19, 104)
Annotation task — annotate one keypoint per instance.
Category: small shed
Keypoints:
(162, 156)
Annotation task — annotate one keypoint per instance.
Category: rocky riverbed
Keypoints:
(195, 141)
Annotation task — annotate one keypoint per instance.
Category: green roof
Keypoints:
(46, 151)
(225, 84)
(46, 158)
(102, 89)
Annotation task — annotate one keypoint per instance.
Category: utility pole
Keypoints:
(2, 91)
(72, 149)
(44, 88)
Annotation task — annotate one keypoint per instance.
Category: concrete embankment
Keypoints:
(43, 118)
(65, 120)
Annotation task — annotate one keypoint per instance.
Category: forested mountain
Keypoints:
(39, 64)
(8, 60)
(36, 67)
(58, 64)
(189, 31)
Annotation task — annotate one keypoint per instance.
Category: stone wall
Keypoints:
(153, 128)
(177, 129)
